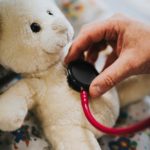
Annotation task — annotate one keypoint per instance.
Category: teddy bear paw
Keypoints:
(13, 122)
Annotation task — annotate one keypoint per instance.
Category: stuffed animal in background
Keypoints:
(33, 34)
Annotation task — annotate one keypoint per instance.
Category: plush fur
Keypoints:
(44, 89)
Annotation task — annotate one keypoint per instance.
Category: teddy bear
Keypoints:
(33, 35)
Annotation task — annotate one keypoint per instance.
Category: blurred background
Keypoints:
(80, 12)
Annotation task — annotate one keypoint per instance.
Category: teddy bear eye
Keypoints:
(35, 27)
(49, 12)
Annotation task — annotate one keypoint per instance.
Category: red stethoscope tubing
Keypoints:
(113, 131)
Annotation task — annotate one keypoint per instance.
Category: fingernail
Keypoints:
(96, 91)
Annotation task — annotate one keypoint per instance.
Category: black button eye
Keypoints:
(35, 27)
(49, 12)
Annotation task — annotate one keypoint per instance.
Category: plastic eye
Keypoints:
(49, 12)
(35, 27)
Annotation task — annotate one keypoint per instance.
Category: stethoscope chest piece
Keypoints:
(80, 75)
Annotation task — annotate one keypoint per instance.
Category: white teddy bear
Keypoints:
(33, 34)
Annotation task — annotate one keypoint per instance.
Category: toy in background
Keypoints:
(80, 12)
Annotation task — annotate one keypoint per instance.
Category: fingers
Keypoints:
(94, 50)
(90, 35)
(118, 71)
(110, 59)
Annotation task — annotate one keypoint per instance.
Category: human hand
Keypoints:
(130, 41)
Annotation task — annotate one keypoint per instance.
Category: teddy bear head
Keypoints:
(33, 34)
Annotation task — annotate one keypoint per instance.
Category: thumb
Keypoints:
(118, 71)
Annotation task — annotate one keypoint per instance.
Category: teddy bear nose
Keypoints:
(59, 26)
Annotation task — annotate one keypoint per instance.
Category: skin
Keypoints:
(130, 41)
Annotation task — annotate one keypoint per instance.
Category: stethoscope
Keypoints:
(80, 75)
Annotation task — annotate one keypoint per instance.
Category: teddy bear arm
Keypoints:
(133, 89)
(71, 138)
(14, 105)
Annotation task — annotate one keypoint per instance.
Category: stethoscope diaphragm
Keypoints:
(80, 74)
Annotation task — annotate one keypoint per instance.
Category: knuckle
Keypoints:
(131, 66)
(77, 47)
(109, 81)
(131, 63)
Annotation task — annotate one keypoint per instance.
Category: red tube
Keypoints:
(113, 131)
